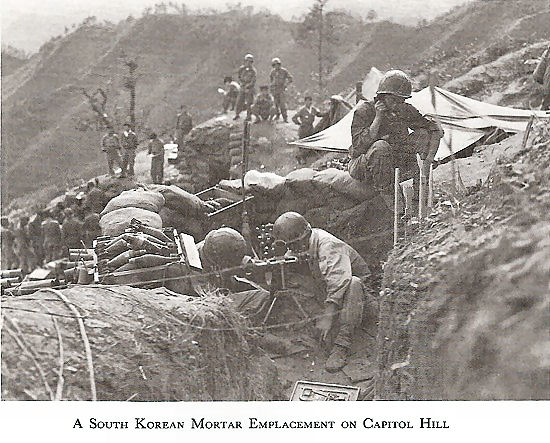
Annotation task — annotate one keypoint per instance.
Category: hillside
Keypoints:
(182, 59)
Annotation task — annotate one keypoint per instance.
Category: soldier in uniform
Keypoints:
(263, 108)
(72, 231)
(90, 227)
(247, 80)
(9, 258)
(51, 233)
(184, 124)
(305, 117)
(23, 250)
(280, 78)
(231, 93)
(110, 144)
(129, 142)
(381, 140)
(156, 151)
(95, 197)
(35, 235)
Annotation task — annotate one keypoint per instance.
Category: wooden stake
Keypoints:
(431, 187)
(395, 206)
(421, 192)
(358, 91)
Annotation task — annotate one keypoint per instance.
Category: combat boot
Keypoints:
(337, 359)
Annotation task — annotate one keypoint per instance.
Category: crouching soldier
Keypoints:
(263, 108)
(339, 272)
(223, 257)
(381, 140)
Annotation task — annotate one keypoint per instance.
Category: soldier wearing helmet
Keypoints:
(340, 272)
(71, 230)
(22, 246)
(222, 252)
(280, 78)
(382, 138)
(247, 79)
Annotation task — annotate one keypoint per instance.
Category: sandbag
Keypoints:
(264, 183)
(335, 180)
(300, 181)
(137, 198)
(115, 222)
(181, 201)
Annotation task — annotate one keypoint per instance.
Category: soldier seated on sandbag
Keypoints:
(223, 257)
(382, 141)
(339, 272)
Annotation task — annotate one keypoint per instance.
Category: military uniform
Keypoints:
(72, 233)
(373, 159)
(280, 78)
(23, 250)
(51, 233)
(231, 96)
(95, 199)
(35, 235)
(247, 79)
(542, 76)
(305, 118)
(184, 124)
(156, 148)
(9, 257)
(90, 228)
(111, 146)
(129, 143)
(264, 106)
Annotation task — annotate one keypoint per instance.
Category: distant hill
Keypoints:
(182, 59)
(11, 61)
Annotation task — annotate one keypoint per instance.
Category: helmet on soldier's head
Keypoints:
(224, 248)
(249, 57)
(276, 61)
(291, 227)
(395, 82)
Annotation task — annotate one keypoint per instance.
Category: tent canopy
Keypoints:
(464, 120)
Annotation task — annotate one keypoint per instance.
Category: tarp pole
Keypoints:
(395, 206)
(358, 92)
(431, 187)
(421, 192)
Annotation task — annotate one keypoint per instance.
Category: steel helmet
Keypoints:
(396, 83)
(224, 248)
(249, 57)
(291, 227)
(276, 61)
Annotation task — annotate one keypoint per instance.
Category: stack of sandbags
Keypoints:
(139, 204)
(206, 158)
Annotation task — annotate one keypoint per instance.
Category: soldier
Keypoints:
(72, 231)
(381, 140)
(9, 258)
(129, 142)
(542, 76)
(156, 151)
(95, 197)
(280, 78)
(247, 80)
(110, 144)
(90, 227)
(23, 250)
(221, 251)
(263, 107)
(231, 93)
(184, 124)
(35, 235)
(51, 233)
(339, 271)
(305, 117)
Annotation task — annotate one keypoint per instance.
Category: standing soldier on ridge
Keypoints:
(35, 235)
(247, 78)
(129, 143)
(231, 93)
(51, 233)
(156, 151)
(27, 260)
(184, 124)
(110, 144)
(280, 78)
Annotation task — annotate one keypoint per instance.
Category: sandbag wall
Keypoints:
(205, 158)
(330, 199)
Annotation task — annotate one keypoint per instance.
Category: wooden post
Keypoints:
(431, 187)
(244, 156)
(395, 206)
(421, 193)
(358, 91)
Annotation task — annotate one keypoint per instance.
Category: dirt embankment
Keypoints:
(465, 306)
(145, 345)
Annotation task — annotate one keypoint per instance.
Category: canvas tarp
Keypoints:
(464, 120)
